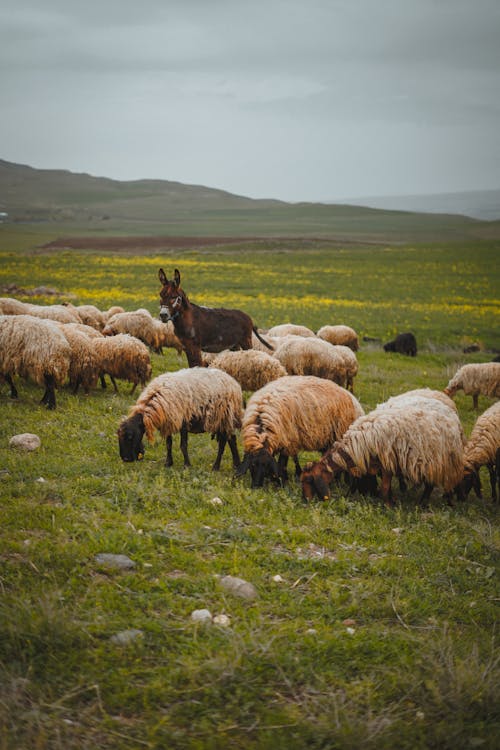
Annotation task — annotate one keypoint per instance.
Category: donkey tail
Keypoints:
(262, 341)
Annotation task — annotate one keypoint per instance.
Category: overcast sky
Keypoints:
(291, 99)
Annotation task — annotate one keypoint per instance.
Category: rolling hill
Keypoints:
(68, 202)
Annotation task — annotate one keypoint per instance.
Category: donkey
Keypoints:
(203, 328)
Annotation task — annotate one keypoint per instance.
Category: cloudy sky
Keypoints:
(291, 99)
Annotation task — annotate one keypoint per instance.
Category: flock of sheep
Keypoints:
(302, 400)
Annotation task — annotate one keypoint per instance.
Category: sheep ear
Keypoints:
(162, 277)
(177, 277)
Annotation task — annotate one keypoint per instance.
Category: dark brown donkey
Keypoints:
(210, 329)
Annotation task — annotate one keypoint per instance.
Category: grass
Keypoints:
(382, 631)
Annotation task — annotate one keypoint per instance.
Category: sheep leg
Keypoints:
(282, 467)
(386, 488)
(234, 451)
(169, 461)
(49, 397)
(103, 381)
(134, 386)
(475, 401)
(428, 487)
(77, 385)
(402, 484)
(13, 389)
(493, 482)
(221, 443)
(298, 469)
(184, 444)
(114, 383)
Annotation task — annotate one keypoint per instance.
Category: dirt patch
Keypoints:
(141, 244)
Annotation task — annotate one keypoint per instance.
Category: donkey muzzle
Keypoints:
(165, 315)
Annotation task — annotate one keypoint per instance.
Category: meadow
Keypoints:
(372, 627)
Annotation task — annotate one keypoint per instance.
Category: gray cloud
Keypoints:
(295, 100)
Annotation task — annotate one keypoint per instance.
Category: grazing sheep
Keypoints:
(421, 441)
(339, 335)
(404, 343)
(88, 331)
(476, 379)
(289, 329)
(483, 449)
(195, 400)
(419, 392)
(251, 368)
(272, 341)
(313, 356)
(34, 349)
(289, 415)
(58, 313)
(124, 357)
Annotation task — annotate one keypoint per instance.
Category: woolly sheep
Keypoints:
(420, 440)
(34, 349)
(84, 363)
(195, 400)
(90, 315)
(292, 414)
(476, 379)
(113, 310)
(339, 334)
(420, 392)
(290, 329)
(125, 357)
(404, 343)
(483, 449)
(142, 325)
(308, 356)
(11, 306)
(251, 368)
(59, 313)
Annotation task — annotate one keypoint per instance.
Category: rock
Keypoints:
(216, 501)
(222, 620)
(26, 441)
(278, 579)
(118, 562)
(124, 637)
(201, 615)
(238, 587)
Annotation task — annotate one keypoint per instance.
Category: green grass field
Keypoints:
(381, 631)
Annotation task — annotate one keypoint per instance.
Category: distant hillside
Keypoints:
(478, 204)
(70, 202)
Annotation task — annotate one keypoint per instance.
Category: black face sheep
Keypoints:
(289, 415)
(475, 380)
(192, 400)
(420, 440)
(483, 449)
(339, 334)
(34, 349)
(404, 343)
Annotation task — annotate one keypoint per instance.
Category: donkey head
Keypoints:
(172, 298)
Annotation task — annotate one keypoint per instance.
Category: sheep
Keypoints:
(195, 400)
(290, 329)
(89, 315)
(404, 343)
(483, 449)
(59, 313)
(272, 341)
(88, 331)
(251, 368)
(289, 415)
(339, 334)
(11, 306)
(141, 324)
(308, 356)
(419, 392)
(475, 379)
(34, 349)
(421, 440)
(113, 310)
(84, 364)
(123, 356)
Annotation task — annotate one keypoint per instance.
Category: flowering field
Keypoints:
(372, 627)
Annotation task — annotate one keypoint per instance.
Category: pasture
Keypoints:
(372, 627)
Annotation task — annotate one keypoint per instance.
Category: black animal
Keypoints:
(203, 328)
(404, 343)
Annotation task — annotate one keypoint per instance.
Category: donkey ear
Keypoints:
(162, 277)
(177, 277)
